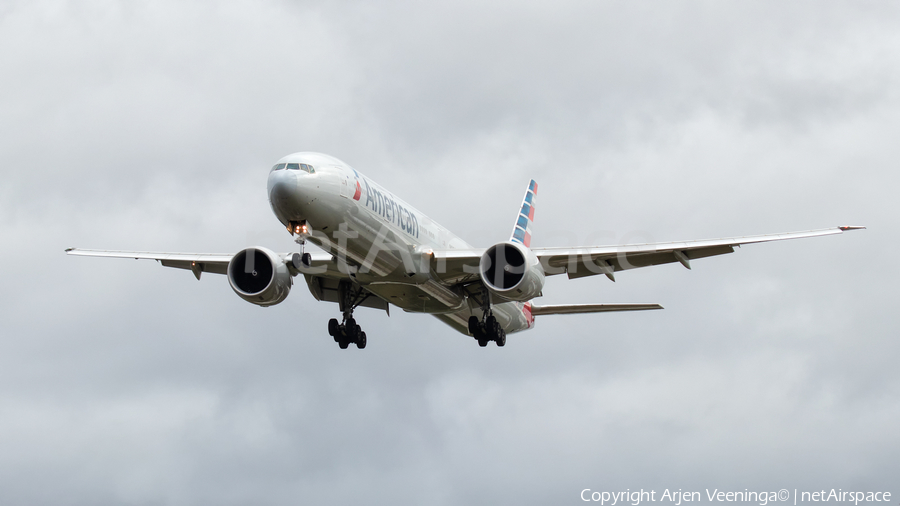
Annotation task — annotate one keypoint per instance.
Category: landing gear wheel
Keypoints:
(473, 325)
(490, 325)
(343, 344)
(501, 339)
(351, 331)
(482, 342)
(361, 342)
(333, 327)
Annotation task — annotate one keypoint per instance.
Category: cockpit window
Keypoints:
(295, 166)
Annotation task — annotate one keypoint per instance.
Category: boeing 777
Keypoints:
(380, 251)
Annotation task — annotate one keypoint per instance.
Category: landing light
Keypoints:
(298, 228)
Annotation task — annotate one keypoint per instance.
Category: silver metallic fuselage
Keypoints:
(384, 241)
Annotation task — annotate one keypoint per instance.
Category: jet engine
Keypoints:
(511, 271)
(259, 275)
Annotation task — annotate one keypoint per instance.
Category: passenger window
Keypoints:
(293, 166)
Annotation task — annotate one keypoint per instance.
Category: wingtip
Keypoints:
(852, 227)
(69, 249)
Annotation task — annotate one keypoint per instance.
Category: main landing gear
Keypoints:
(348, 331)
(488, 329)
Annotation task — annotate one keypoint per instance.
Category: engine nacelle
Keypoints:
(511, 271)
(258, 275)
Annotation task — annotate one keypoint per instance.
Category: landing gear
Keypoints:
(489, 329)
(348, 331)
(302, 230)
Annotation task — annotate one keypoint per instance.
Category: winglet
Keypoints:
(522, 230)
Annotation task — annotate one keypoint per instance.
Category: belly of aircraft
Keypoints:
(415, 298)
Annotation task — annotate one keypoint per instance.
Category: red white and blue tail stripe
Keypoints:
(522, 231)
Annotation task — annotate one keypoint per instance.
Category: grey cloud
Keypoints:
(152, 126)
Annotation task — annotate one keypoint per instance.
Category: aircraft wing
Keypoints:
(322, 274)
(196, 262)
(321, 265)
(462, 265)
(580, 262)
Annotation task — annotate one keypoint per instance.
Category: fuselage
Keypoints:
(384, 241)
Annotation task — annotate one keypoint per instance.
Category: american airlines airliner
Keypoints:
(380, 251)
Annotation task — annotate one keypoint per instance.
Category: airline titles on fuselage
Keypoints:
(383, 203)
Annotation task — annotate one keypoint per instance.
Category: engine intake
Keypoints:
(511, 271)
(259, 276)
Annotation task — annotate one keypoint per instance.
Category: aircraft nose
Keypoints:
(283, 191)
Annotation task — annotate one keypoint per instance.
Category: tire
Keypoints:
(361, 342)
(343, 344)
(491, 326)
(501, 339)
(473, 325)
(333, 327)
(482, 342)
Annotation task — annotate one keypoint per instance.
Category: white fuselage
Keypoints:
(385, 241)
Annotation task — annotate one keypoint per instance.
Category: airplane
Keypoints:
(380, 251)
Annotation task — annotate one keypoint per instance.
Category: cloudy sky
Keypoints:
(151, 126)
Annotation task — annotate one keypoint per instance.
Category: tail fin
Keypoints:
(522, 231)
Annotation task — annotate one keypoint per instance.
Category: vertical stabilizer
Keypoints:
(522, 231)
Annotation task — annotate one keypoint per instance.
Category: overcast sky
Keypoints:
(152, 126)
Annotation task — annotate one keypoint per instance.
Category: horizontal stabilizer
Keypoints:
(589, 308)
